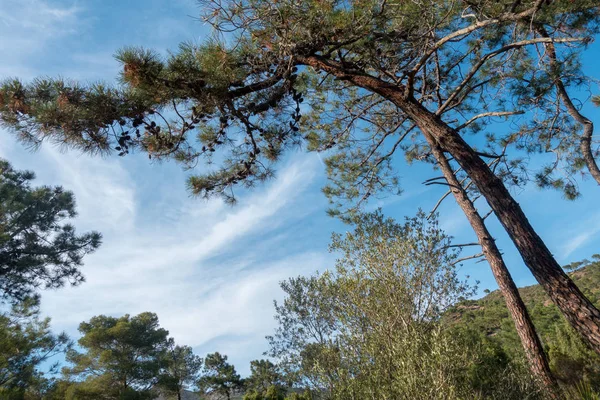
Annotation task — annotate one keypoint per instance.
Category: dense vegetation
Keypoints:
(472, 353)
(570, 360)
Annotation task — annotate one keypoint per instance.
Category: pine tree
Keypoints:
(532, 345)
(37, 249)
(120, 358)
(181, 369)
(265, 381)
(26, 344)
(219, 378)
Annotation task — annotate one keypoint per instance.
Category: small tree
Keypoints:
(219, 378)
(26, 344)
(181, 369)
(265, 381)
(305, 318)
(37, 249)
(263, 374)
(122, 357)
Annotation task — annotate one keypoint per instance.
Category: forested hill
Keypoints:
(568, 356)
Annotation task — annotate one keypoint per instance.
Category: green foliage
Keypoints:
(571, 360)
(304, 320)
(37, 248)
(372, 329)
(219, 378)
(242, 97)
(271, 393)
(264, 378)
(122, 357)
(180, 370)
(584, 392)
(418, 253)
(26, 344)
(300, 396)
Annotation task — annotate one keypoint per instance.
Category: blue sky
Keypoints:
(211, 271)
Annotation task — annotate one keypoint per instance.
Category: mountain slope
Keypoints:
(569, 358)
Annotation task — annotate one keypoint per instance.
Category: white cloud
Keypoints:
(37, 17)
(580, 235)
(243, 305)
(208, 270)
(27, 26)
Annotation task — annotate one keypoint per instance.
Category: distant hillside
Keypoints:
(569, 358)
(490, 315)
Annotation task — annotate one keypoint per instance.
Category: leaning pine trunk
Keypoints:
(538, 363)
(583, 316)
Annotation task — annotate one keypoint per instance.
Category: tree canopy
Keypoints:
(219, 378)
(244, 99)
(37, 248)
(26, 346)
(263, 374)
(120, 358)
(182, 369)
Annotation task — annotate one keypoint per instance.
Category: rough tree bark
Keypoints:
(577, 309)
(534, 351)
(583, 316)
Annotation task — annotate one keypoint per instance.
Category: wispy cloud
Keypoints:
(580, 235)
(28, 28)
(209, 270)
(37, 17)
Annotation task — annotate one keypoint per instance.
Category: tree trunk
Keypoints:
(577, 309)
(538, 363)
(583, 316)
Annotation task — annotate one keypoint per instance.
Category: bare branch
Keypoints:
(494, 53)
(478, 255)
(462, 245)
(465, 31)
(489, 114)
